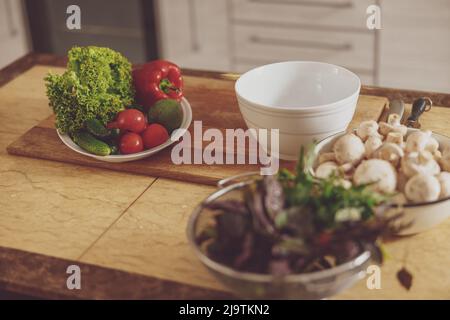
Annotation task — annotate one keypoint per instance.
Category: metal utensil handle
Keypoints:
(236, 178)
(419, 106)
(397, 106)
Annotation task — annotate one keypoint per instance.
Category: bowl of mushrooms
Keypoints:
(410, 164)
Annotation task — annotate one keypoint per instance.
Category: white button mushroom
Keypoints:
(349, 149)
(326, 169)
(422, 188)
(394, 119)
(390, 152)
(326, 156)
(379, 173)
(401, 181)
(393, 125)
(419, 162)
(421, 140)
(437, 156)
(343, 183)
(367, 129)
(395, 137)
(346, 167)
(432, 145)
(399, 199)
(385, 128)
(444, 180)
(372, 144)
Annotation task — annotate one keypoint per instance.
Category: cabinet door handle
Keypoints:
(195, 43)
(302, 44)
(310, 3)
(9, 19)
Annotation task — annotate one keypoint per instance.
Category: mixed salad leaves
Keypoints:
(97, 84)
(296, 223)
(108, 108)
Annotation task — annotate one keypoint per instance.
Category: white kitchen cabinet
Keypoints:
(13, 32)
(194, 33)
(412, 50)
(236, 35)
(415, 44)
(340, 14)
(268, 43)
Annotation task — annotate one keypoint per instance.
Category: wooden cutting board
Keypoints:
(213, 102)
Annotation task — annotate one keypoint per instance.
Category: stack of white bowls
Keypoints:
(306, 101)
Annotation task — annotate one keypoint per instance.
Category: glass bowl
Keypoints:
(315, 285)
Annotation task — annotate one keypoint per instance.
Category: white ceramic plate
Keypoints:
(176, 135)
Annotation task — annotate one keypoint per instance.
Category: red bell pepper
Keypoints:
(156, 80)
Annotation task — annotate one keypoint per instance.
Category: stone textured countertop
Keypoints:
(53, 215)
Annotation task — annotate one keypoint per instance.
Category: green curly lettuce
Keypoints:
(96, 85)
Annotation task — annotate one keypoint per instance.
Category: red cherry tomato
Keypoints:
(131, 143)
(154, 135)
(131, 119)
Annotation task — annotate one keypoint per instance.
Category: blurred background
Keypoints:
(411, 51)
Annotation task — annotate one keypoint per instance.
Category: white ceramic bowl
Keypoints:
(419, 216)
(176, 135)
(305, 100)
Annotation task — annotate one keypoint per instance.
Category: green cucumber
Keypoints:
(112, 140)
(96, 127)
(114, 133)
(91, 144)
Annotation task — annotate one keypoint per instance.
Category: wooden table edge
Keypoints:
(49, 280)
(19, 66)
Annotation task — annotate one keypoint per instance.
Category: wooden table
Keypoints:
(53, 215)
